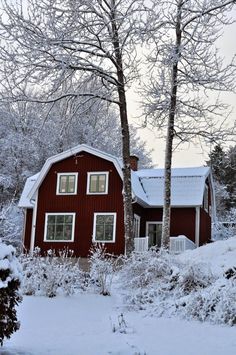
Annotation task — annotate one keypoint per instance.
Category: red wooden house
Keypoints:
(76, 200)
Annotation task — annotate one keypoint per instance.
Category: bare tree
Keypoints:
(50, 42)
(184, 68)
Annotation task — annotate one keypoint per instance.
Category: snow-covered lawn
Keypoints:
(82, 325)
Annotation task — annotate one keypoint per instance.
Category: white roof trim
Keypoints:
(72, 151)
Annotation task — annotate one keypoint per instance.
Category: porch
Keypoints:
(177, 244)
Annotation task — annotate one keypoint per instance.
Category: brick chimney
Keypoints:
(134, 162)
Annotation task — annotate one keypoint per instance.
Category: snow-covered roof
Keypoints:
(147, 184)
(187, 186)
(24, 199)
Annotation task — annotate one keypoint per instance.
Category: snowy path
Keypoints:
(82, 325)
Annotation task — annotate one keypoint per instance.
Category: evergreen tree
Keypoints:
(223, 164)
(9, 291)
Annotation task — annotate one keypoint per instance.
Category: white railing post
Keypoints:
(180, 244)
(141, 244)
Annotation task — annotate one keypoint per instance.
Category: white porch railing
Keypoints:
(177, 244)
(141, 244)
(180, 244)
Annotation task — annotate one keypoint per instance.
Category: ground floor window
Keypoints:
(104, 227)
(153, 231)
(59, 227)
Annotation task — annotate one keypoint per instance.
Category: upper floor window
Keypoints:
(67, 183)
(97, 182)
(59, 227)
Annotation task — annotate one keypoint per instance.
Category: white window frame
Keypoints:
(136, 225)
(97, 173)
(94, 227)
(152, 222)
(58, 183)
(59, 214)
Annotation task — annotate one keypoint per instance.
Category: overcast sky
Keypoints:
(188, 155)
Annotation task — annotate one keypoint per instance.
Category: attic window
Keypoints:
(67, 183)
(59, 227)
(97, 183)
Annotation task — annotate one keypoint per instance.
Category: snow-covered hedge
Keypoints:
(164, 284)
(50, 275)
(10, 276)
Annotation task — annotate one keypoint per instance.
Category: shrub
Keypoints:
(142, 269)
(193, 277)
(102, 268)
(10, 275)
(50, 275)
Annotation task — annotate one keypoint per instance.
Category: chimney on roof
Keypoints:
(134, 162)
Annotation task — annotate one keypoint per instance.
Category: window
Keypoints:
(97, 183)
(59, 227)
(104, 227)
(67, 183)
(153, 231)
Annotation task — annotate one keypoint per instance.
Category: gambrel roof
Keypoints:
(147, 184)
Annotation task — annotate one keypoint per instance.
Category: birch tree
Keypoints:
(185, 67)
(51, 41)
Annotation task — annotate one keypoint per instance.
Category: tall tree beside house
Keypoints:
(184, 66)
(51, 42)
(28, 130)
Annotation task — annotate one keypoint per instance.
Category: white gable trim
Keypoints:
(70, 152)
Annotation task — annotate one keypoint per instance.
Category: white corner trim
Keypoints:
(56, 214)
(197, 226)
(89, 173)
(32, 240)
(94, 227)
(58, 183)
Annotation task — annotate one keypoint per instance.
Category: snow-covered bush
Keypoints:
(194, 276)
(166, 285)
(10, 276)
(102, 269)
(50, 275)
(142, 269)
(215, 303)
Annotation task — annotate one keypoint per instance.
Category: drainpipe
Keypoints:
(32, 240)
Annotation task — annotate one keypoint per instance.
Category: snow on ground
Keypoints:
(220, 255)
(83, 324)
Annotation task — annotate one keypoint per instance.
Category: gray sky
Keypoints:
(188, 155)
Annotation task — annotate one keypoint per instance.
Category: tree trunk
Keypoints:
(127, 189)
(165, 238)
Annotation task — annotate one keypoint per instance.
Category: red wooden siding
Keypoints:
(28, 228)
(205, 227)
(82, 204)
(182, 220)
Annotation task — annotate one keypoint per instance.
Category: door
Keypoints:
(153, 231)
